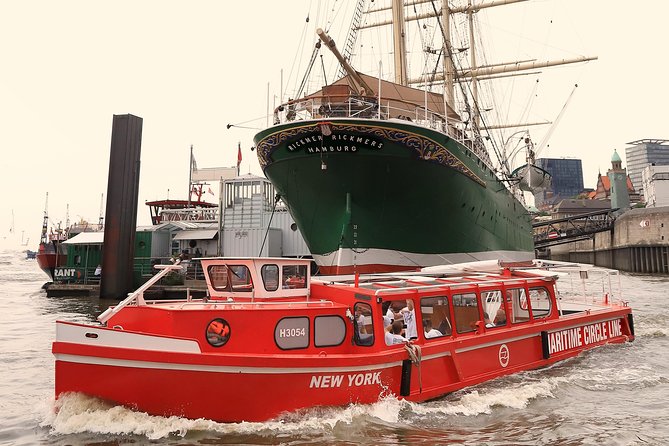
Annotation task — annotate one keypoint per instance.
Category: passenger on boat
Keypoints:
(360, 321)
(429, 331)
(409, 315)
(488, 322)
(386, 311)
(393, 333)
(500, 317)
(393, 311)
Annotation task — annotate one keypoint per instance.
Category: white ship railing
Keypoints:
(367, 107)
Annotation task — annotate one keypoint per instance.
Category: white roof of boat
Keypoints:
(196, 234)
(86, 238)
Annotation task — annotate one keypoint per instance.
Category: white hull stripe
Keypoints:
(218, 369)
(376, 256)
(500, 342)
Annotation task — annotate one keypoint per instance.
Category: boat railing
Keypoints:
(189, 214)
(368, 107)
(256, 304)
(451, 284)
(138, 295)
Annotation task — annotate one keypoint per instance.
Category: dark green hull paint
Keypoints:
(421, 192)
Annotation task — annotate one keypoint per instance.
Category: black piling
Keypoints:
(121, 213)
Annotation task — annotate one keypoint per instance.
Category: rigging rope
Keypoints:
(276, 202)
(550, 131)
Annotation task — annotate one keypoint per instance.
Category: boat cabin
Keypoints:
(256, 278)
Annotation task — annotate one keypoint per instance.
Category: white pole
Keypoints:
(379, 92)
(267, 117)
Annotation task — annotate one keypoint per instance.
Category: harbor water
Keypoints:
(613, 395)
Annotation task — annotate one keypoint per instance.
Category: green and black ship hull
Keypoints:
(372, 195)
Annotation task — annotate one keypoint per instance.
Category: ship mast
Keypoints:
(366, 89)
(399, 43)
(45, 222)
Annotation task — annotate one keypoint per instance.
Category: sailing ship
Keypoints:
(386, 175)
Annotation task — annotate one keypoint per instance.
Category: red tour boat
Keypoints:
(270, 339)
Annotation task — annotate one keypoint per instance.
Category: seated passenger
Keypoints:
(500, 317)
(429, 331)
(445, 327)
(385, 309)
(393, 333)
(488, 322)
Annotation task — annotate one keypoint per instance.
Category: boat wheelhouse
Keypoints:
(270, 339)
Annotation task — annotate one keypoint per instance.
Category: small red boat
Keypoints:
(270, 339)
(51, 252)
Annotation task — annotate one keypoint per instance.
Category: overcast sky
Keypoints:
(190, 68)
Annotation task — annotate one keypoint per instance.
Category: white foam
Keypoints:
(76, 413)
(476, 401)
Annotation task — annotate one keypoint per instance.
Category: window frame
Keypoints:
(343, 338)
(307, 337)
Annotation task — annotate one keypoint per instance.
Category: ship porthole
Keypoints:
(218, 332)
(293, 227)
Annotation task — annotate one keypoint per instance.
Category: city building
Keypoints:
(567, 180)
(655, 180)
(616, 178)
(642, 153)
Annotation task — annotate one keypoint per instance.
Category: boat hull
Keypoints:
(391, 187)
(48, 258)
(173, 379)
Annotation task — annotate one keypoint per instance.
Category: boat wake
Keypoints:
(76, 413)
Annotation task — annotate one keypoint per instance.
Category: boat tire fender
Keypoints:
(630, 321)
(544, 345)
(405, 383)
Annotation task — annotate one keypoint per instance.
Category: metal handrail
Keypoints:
(139, 292)
(300, 302)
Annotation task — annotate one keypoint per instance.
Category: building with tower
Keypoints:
(616, 185)
(643, 153)
(620, 197)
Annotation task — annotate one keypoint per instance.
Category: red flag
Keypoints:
(239, 154)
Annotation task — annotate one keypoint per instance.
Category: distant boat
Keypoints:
(51, 252)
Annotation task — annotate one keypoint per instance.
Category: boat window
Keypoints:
(363, 324)
(270, 277)
(292, 333)
(466, 312)
(517, 302)
(436, 317)
(401, 310)
(294, 276)
(540, 302)
(235, 278)
(218, 332)
(329, 331)
(493, 308)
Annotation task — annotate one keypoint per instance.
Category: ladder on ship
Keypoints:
(352, 36)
